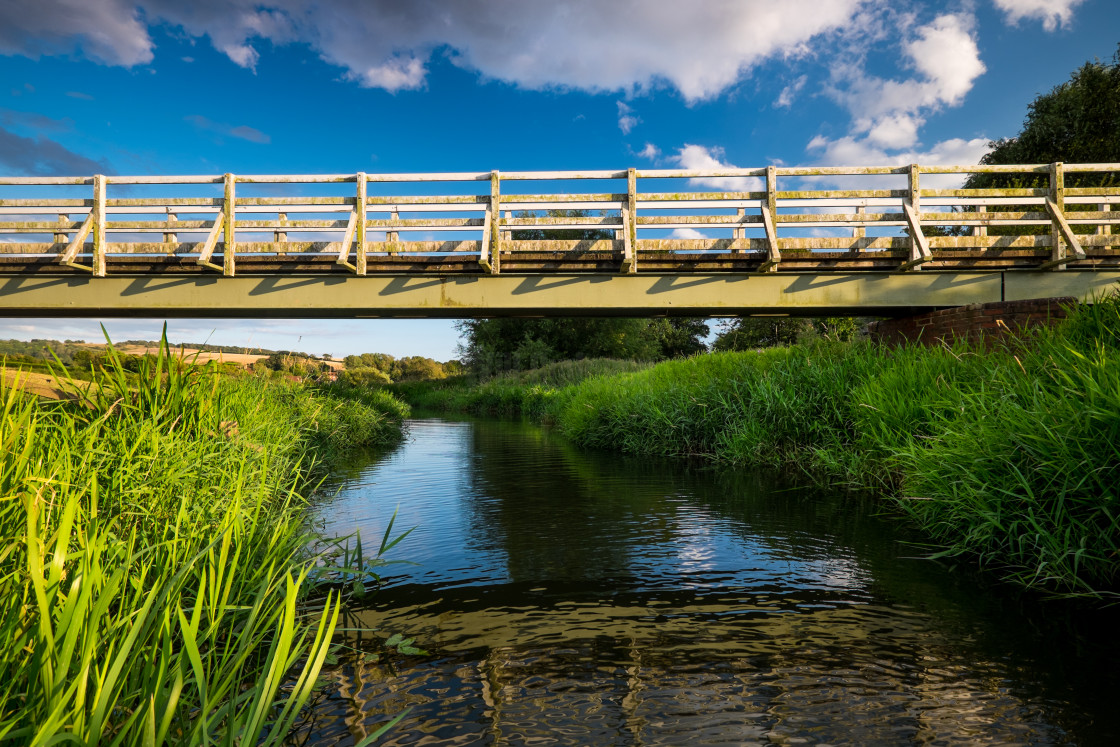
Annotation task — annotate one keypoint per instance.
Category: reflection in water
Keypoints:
(578, 598)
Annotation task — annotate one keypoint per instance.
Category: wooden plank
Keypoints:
(207, 250)
(347, 242)
(1064, 231)
(495, 216)
(360, 265)
(769, 215)
(911, 209)
(99, 227)
(629, 224)
(229, 207)
(75, 246)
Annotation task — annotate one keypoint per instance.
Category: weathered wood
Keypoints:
(495, 216)
(229, 220)
(207, 250)
(99, 227)
(629, 224)
(75, 245)
(60, 236)
(912, 210)
(347, 242)
(360, 198)
(1063, 231)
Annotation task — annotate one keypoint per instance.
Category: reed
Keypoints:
(157, 582)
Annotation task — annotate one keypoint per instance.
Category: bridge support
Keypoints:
(507, 294)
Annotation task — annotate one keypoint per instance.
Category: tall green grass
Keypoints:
(156, 580)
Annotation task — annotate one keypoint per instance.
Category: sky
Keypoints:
(148, 87)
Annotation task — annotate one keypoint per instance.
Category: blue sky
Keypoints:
(307, 86)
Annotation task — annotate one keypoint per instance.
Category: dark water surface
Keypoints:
(573, 598)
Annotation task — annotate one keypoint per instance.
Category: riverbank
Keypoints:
(158, 581)
(1009, 455)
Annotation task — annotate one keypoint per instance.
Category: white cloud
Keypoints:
(1052, 13)
(686, 233)
(626, 119)
(856, 151)
(786, 97)
(700, 48)
(242, 132)
(701, 158)
(651, 151)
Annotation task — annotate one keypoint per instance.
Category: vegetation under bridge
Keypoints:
(870, 240)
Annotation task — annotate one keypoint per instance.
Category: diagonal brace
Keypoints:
(773, 254)
(75, 246)
(347, 241)
(919, 244)
(211, 242)
(1067, 233)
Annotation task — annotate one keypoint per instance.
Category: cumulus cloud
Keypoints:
(108, 31)
(44, 157)
(626, 118)
(709, 159)
(789, 93)
(651, 152)
(686, 233)
(699, 48)
(888, 114)
(241, 132)
(1052, 13)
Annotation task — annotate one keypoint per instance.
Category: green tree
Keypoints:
(752, 332)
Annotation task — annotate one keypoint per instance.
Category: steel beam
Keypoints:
(342, 296)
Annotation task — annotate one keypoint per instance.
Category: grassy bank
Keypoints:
(529, 393)
(1010, 455)
(156, 578)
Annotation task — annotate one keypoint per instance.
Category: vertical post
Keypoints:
(168, 236)
(280, 235)
(360, 206)
(980, 230)
(915, 200)
(630, 224)
(860, 231)
(739, 232)
(1058, 197)
(229, 209)
(509, 234)
(60, 236)
(99, 224)
(1104, 229)
(393, 216)
(496, 222)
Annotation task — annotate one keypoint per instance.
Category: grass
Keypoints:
(157, 582)
(1009, 454)
(528, 393)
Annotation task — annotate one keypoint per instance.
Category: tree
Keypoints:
(750, 333)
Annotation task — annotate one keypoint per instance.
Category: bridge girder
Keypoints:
(457, 296)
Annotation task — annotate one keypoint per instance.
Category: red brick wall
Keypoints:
(988, 321)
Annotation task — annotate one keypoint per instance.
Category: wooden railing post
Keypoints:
(912, 211)
(770, 222)
(1058, 197)
(60, 235)
(980, 230)
(1062, 238)
(630, 224)
(280, 236)
(495, 217)
(99, 225)
(859, 232)
(229, 214)
(360, 205)
(170, 237)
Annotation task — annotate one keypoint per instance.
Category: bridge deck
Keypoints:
(880, 227)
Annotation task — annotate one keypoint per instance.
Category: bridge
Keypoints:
(869, 240)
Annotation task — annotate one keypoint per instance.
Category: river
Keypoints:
(566, 597)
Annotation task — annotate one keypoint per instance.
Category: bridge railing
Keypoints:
(1047, 216)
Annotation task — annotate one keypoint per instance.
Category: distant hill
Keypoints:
(43, 351)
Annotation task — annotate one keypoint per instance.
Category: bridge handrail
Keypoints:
(932, 217)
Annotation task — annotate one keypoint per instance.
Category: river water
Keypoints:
(566, 597)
